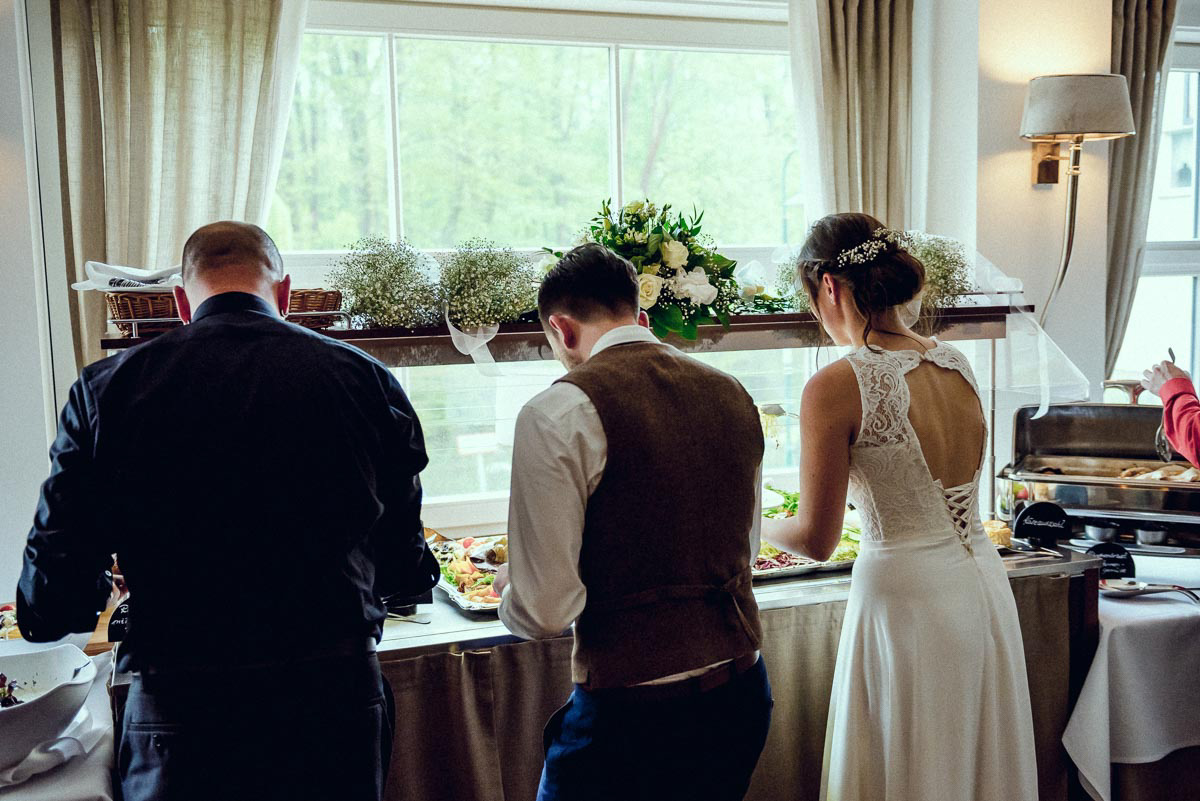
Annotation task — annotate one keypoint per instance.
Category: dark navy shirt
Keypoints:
(258, 482)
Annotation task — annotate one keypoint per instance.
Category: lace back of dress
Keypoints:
(885, 397)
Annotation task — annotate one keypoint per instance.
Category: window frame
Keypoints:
(1180, 258)
(760, 27)
(725, 26)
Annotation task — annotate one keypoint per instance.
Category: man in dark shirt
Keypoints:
(259, 485)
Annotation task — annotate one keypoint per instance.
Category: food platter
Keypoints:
(773, 563)
(468, 568)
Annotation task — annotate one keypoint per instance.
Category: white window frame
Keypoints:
(1180, 258)
(726, 26)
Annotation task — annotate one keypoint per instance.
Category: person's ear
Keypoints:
(831, 288)
(182, 304)
(283, 295)
(643, 319)
(567, 330)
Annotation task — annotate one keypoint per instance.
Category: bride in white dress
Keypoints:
(930, 700)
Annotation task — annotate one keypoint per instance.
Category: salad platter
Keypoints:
(774, 563)
(468, 568)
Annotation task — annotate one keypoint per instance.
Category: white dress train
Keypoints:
(930, 700)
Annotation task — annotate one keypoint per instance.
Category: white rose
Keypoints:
(639, 237)
(752, 280)
(674, 254)
(649, 287)
(694, 286)
(634, 206)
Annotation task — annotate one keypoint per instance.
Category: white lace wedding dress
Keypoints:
(930, 701)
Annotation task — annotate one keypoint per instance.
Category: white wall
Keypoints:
(23, 409)
(1019, 226)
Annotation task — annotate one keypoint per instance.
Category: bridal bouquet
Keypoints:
(682, 281)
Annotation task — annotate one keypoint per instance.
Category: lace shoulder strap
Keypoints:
(884, 394)
(951, 358)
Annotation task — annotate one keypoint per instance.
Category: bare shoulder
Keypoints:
(832, 382)
(832, 394)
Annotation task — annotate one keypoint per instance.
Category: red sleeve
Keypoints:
(1181, 417)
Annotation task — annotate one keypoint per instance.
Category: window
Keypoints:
(440, 124)
(440, 140)
(1165, 307)
(1163, 316)
(1173, 209)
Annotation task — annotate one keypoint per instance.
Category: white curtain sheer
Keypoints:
(173, 114)
(852, 78)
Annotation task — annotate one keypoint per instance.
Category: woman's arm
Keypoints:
(830, 411)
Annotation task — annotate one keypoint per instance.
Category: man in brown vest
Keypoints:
(634, 514)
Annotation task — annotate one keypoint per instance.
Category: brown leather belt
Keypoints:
(684, 688)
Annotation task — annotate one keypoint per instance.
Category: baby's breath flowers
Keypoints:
(947, 271)
(483, 284)
(386, 284)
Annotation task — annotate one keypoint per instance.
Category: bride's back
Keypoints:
(947, 418)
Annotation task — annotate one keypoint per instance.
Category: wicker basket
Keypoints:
(315, 300)
(142, 306)
(160, 305)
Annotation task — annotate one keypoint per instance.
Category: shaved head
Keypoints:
(230, 250)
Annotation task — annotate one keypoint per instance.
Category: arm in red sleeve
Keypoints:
(1181, 417)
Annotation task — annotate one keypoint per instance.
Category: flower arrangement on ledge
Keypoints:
(683, 282)
(483, 284)
(392, 284)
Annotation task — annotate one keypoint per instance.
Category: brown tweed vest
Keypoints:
(666, 553)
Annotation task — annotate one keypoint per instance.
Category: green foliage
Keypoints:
(385, 285)
(482, 284)
(511, 141)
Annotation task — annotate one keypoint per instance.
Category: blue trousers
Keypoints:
(620, 747)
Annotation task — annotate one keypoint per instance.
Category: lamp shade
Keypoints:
(1061, 107)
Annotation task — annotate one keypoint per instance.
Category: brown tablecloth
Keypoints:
(469, 725)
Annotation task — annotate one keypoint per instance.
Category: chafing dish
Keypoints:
(1074, 456)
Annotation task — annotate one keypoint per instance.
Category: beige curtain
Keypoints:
(172, 114)
(1141, 37)
(852, 77)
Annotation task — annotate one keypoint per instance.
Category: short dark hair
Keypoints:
(229, 243)
(590, 281)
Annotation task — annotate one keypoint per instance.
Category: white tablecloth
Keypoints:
(84, 778)
(1138, 703)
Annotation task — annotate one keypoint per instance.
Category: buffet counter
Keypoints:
(472, 699)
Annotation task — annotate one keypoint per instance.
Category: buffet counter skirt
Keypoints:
(472, 700)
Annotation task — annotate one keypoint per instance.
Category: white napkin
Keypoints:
(80, 736)
(109, 277)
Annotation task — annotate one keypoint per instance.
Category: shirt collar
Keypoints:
(623, 336)
(228, 302)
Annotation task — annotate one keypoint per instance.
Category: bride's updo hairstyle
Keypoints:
(866, 257)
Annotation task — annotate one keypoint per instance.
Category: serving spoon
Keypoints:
(1161, 443)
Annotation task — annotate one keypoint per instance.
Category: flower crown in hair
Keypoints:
(872, 247)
